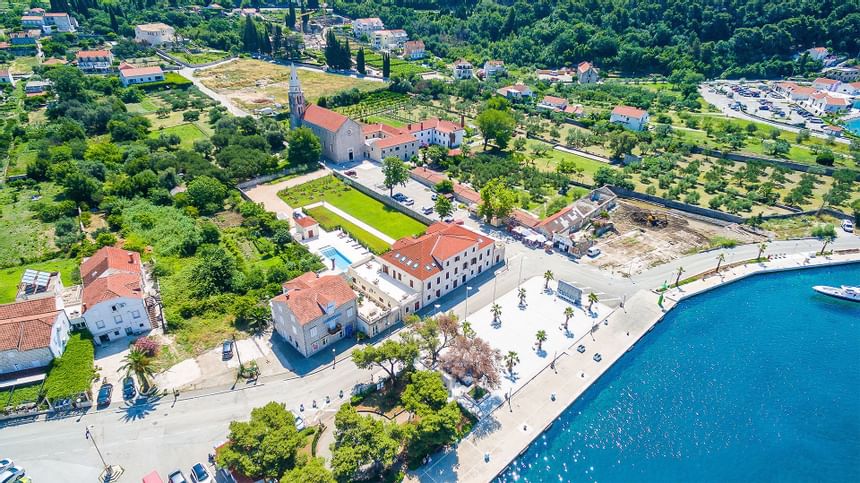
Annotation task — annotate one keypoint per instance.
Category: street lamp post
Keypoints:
(437, 307)
(92, 438)
(333, 357)
(466, 312)
(520, 279)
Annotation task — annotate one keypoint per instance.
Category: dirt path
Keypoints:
(188, 72)
(267, 194)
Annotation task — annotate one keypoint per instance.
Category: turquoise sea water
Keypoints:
(755, 381)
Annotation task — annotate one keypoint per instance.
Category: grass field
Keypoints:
(146, 106)
(255, 84)
(187, 132)
(385, 120)
(10, 277)
(22, 235)
(330, 221)
(376, 214)
(199, 58)
(553, 157)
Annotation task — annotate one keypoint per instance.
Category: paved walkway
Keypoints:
(584, 154)
(506, 432)
(364, 226)
(267, 194)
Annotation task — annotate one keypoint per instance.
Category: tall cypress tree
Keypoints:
(291, 17)
(359, 61)
(250, 37)
(277, 39)
(346, 55)
(386, 64)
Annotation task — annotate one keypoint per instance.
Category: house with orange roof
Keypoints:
(558, 104)
(94, 60)
(114, 295)
(32, 333)
(438, 131)
(516, 92)
(630, 117)
(140, 75)
(307, 227)
(414, 50)
(825, 103)
(852, 89)
(314, 312)
(825, 84)
(586, 73)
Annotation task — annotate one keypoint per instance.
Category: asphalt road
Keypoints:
(163, 436)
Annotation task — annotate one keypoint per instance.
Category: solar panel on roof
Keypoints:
(29, 276)
(42, 279)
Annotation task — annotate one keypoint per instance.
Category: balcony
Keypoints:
(332, 330)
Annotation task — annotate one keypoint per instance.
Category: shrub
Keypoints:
(73, 372)
(148, 346)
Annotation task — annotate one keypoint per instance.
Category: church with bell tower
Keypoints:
(341, 138)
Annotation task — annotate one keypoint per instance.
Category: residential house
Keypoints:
(94, 60)
(463, 70)
(114, 295)
(366, 26)
(818, 53)
(32, 21)
(306, 227)
(516, 92)
(402, 146)
(431, 178)
(844, 74)
(59, 22)
(558, 104)
(6, 78)
(414, 50)
(389, 39)
(835, 131)
(825, 84)
(630, 117)
(825, 103)
(444, 258)
(140, 75)
(437, 131)
(800, 93)
(154, 34)
(560, 227)
(852, 89)
(36, 88)
(494, 68)
(314, 312)
(586, 73)
(563, 75)
(24, 39)
(32, 333)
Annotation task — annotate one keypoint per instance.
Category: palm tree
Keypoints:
(678, 278)
(568, 313)
(511, 359)
(521, 293)
(720, 260)
(592, 299)
(497, 312)
(827, 239)
(547, 276)
(138, 363)
(761, 248)
(468, 331)
(541, 338)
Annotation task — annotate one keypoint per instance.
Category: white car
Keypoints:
(5, 464)
(13, 473)
(848, 226)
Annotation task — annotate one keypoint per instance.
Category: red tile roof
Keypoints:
(111, 287)
(397, 140)
(109, 258)
(433, 123)
(825, 80)
(555, 101)
(57, 14)
(583, 67)
(92, 53)
(430, 176)
(138, 71)
(423, 257)
(524, 218)
(629, 111)
(380, 127)
(307, 296)
(324, 118)
(27, 325)
(306, 222)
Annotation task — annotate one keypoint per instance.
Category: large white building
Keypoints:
(114, 295)
(463, 70)
(366, 26)
(630, 117)
(155, 34)
(437, 131)
(94, 60)
(389, 39)
(314, 312)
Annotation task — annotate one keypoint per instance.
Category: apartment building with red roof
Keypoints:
(314, 312)
(94, 60)
(32, 333)
(630, 117)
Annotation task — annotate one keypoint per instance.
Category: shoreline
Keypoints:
(503, 435)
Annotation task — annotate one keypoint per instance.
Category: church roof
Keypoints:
(324, 118)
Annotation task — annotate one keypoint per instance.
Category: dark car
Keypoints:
(104, 394)
(128, 389)
(177, 477)
(227, 350)
(351, 173)
(199, 473)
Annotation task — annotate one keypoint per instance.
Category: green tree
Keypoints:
(386, 65)
(444, 206)
(360, 441)
(386, 356)
(568, 313)
(214, 271)
(314, 471)
(511, 359)
(541, 338)
(496, 310)
(425, 393)
(395, 173)
(291, 17)
(359, 61)
(265, 446)
(250, 36)
(826, 233)
(497, 200)
(304, 147)
(547, 277)
(434, 334)
(207, 194)
(497, 126)
(67, 82)
(621, 143)
(141, 365)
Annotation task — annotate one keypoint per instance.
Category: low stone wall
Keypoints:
(696, 210)
(383, 198)
(743, 158)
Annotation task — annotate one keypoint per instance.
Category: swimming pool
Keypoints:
(332, 253)
(854, 125)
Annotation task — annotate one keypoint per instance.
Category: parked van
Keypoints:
(593, 252)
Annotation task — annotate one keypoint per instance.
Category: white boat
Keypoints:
(844, 292)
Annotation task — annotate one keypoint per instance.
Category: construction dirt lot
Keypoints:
(647, 235)
(254, 84)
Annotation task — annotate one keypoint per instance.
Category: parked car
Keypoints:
(408, 201)
(593, 251)
(398, 196)
(128, 389)
(427, 210)
(848, 226)
(351, 173)
(199, 474)
(5, 464)
(12, 474)
(227, 350)
(177, 477)
(448, 219)
(104, 395)
(300, 423)
(434, 196)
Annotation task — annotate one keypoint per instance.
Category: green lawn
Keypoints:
(330, 221)
(21, 235)
(188, 133)
(20, 395)
(385, 120)
(199, 58)
(554, 156)
(376, 214)
(146, 106)
(9, 277)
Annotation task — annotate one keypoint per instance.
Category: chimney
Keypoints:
(462, 120)
(131, 258)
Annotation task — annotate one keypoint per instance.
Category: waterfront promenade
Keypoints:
(507, 431)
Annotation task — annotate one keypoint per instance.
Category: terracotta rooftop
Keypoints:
(423, 257)
(306, 222)
(583, 67)
(308, 296)
(367, 129)
(803, 90)
(92, 53)
(109, 259)
(324, 118)
(524, 218)
(395, 140)
(556, 101)
(629, 111)
(111, 287)
(825, 80)
(27, 325)
(138, 71)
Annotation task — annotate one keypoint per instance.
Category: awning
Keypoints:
(152, 478)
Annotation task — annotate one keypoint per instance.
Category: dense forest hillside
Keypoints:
(730, 38)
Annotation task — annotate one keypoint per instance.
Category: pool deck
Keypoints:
(507, 432)
(347, 247)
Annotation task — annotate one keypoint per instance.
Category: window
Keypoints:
(117, 319)
(313, 332)
(295, 332)
(100, 324)
(457, 258)
(135, 314)
(410, 284)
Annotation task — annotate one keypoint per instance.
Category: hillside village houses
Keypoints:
(389, 39)
(154, 34)
(6, 78)
(414, 50)
(49, 22)
(493, 68)
(516, 92)
(463, 70)
(558, 104)
(314, 312)
(94, 60)
(35, 328)
(114, 295)
(366, 26)
(825, 103)
(825, 84)
(586, 73)
(630, 117)
(818, 53)
(129, 75)
(844, 74)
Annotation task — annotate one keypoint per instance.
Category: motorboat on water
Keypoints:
(845, 292)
